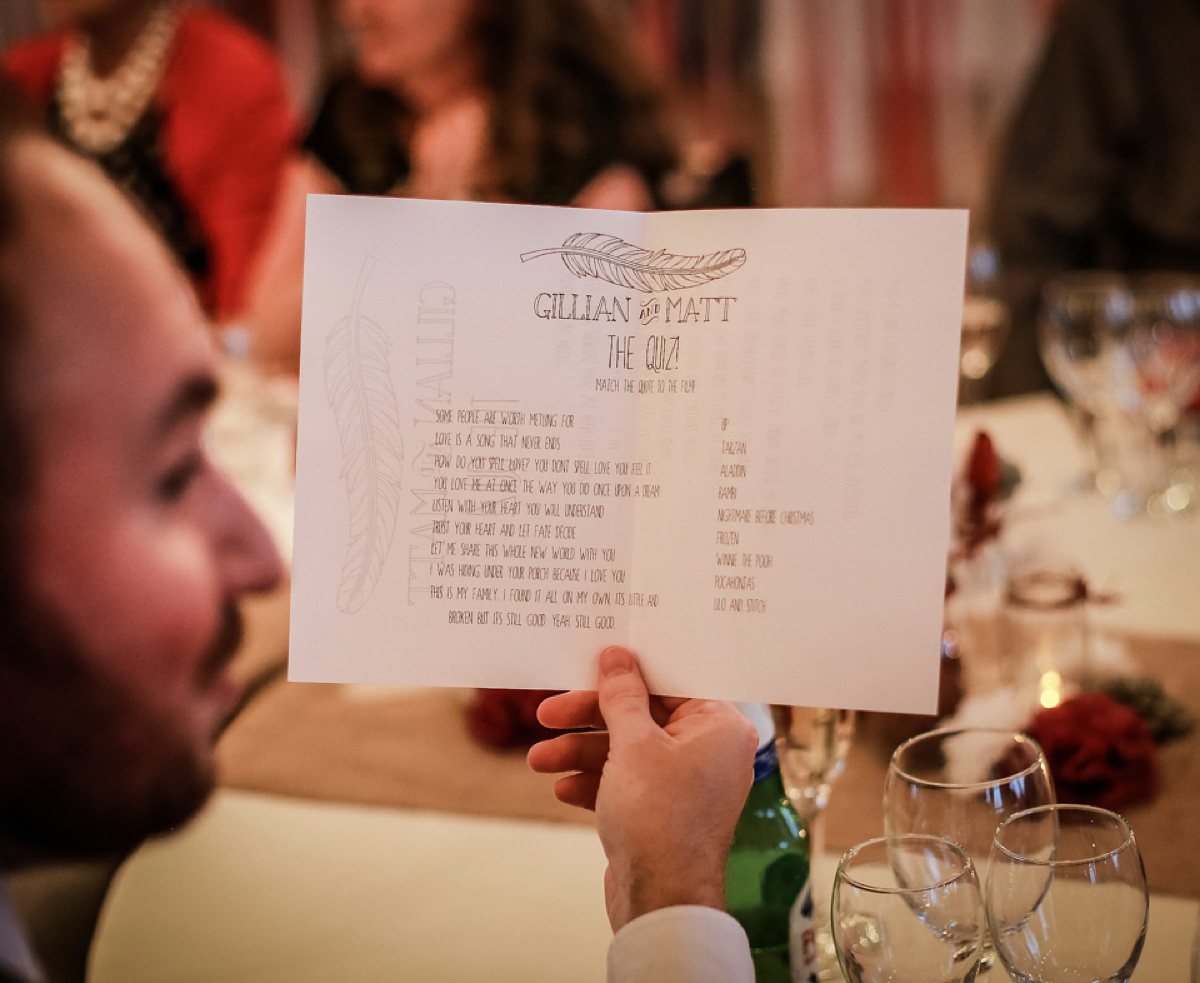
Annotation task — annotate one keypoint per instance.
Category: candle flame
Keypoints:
(1050, 689)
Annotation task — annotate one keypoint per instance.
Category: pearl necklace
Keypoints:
(99, 113)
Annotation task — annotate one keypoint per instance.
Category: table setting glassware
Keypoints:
(984, 329)
(908, 909)
(1083, 317)
(1066, 895)
(1157, 375)
(985, 322)
(962, 784)
(813, 743)
(1045, 627)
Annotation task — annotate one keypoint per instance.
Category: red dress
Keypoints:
(220, 130)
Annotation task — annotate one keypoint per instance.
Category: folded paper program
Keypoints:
(673, 431)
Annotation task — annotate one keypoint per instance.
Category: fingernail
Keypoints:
(615, 661)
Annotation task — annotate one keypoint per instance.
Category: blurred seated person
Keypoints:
(533, 101)
(124, 553)
(1099, 170)
(185, 110)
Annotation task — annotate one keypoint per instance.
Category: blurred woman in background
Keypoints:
(186, 111)
(536, 101)
(539, 101)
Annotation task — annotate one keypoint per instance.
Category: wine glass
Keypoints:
(1083, 316)
(1158, 374)
(963, 783)
(908, 909)
(985, 321)
(1066, 895)
(984, 330)
(812, 744)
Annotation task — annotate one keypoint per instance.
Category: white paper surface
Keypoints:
(738, 465)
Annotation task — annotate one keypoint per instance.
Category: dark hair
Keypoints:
(571, 97)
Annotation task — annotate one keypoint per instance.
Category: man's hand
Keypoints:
(667, 780)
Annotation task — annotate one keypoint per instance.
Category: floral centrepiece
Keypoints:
(1101, 739)
(1100, 752)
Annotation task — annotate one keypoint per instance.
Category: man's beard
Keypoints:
(85, 768)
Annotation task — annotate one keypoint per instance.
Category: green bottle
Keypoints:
(766, 877)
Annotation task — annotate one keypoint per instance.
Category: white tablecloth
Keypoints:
(269, 890)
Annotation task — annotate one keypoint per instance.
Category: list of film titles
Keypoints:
(740, 566)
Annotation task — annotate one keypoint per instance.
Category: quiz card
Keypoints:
(722, 439)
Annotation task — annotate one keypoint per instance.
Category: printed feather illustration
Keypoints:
(359, 387)
(619, 262)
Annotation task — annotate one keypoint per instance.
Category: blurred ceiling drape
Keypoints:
(868, 102)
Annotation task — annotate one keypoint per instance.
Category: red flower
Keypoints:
(1100, 752)
(977, 518)
(983, 469)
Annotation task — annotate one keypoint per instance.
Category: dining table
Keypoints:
(360, 833)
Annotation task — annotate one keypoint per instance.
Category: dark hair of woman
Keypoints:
(571, 98)
(568, 98)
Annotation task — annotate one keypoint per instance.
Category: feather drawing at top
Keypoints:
(605, 257)
(358, 384)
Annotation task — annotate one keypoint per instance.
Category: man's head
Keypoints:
(128, 549)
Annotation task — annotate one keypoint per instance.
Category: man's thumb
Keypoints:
(624, 702)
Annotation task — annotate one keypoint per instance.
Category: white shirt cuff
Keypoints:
(681, 944)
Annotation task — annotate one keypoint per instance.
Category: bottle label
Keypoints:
(802, 938)
(766, 761)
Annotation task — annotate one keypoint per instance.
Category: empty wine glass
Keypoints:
(984, 329)
(985, 321)
(963, 783)
(1158, 374)
(1083, 316)
(1066, 895)
(812, 744)
(908, 909)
